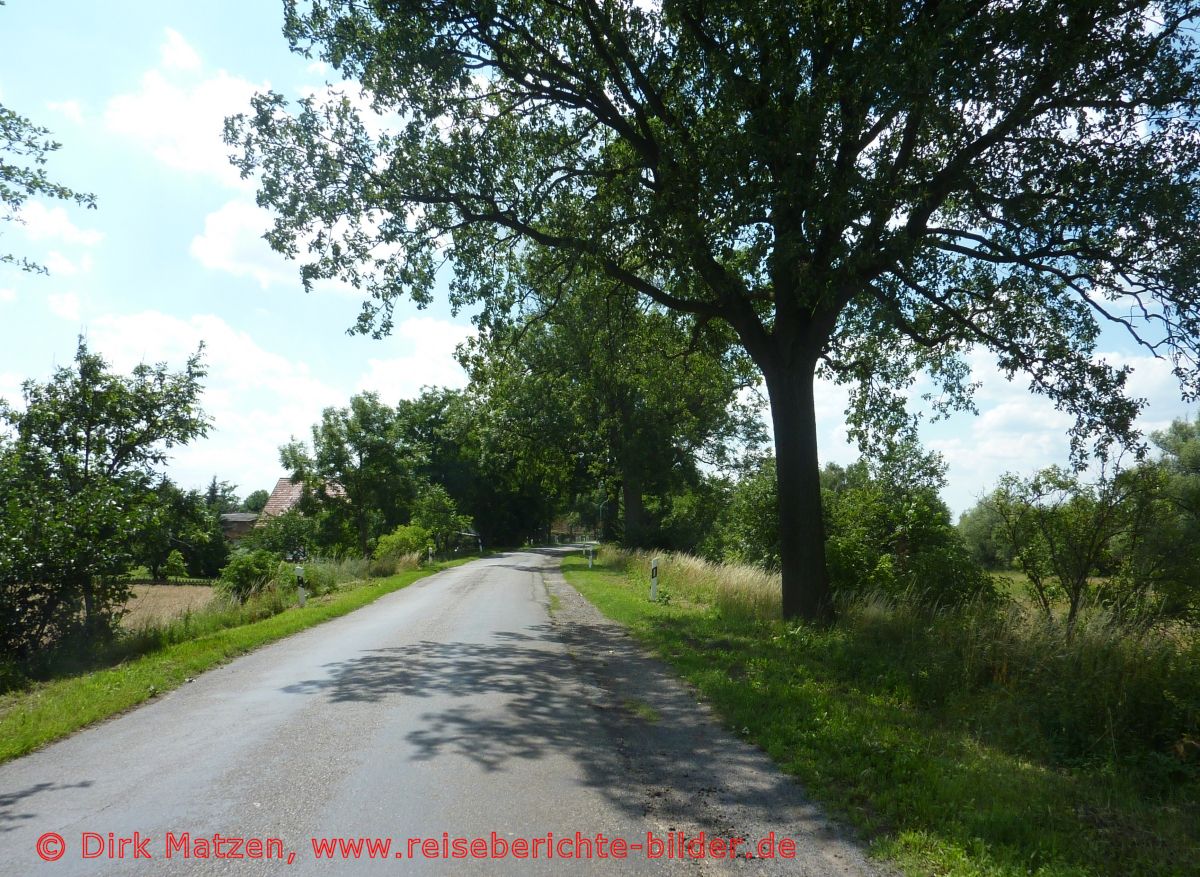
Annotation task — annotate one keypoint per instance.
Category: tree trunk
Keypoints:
(608, 513)
(801, 526)
(89, 605)
(635, 510)
(361, 524)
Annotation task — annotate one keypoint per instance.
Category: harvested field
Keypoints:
(154, 603)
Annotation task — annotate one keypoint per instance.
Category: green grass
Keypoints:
(167, 657)
(642, 710)
(941, 782)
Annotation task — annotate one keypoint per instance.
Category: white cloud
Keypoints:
(10, 387)
(318, 67)
(257, 398)
(7, 296)
(181, 122)
(177, 54)
(58, 264)
(1017, 431)
(72, 109)
(430, 361)
(232, 242)
(64, 305)
(52, 223)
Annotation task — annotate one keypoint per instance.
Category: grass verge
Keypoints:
(47, 711)
(935, 783)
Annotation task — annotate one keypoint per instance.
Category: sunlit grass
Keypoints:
(968, 743)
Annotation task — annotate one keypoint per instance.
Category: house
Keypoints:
(287, 494)
(283, 498)
(235, 525)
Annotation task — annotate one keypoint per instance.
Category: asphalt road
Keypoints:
(458, 707)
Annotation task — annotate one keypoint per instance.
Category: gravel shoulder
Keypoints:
(692, 774)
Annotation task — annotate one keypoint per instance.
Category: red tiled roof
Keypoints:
(287, 493)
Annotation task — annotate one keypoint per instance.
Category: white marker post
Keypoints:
(654, 580)
(301, 594)
(591, 554)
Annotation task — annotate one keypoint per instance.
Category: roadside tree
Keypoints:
(79, 469)
(256, 501)
(177, 521)
(435, 512)
(356, 473)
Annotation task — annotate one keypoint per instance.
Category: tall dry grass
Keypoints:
(736, 589)
(1105, 689)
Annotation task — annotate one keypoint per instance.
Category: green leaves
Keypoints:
(435, 512)
(76, 491)
(24, 150)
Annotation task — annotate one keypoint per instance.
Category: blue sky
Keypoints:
(136, 92)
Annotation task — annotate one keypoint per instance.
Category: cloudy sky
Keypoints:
(137, 92)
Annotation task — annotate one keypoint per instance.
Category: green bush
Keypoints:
(750, 525)
(886, 530)
(898, 541)
(288, 534)
(319, 577)
(175, 567)
(248, 573)
(405, 539)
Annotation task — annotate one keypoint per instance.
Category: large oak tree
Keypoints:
(859, 189)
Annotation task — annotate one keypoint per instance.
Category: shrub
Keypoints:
(248, 573)
(896, 538)
(886, 529)
(175, 567)
(393, 563)
(287, 534)
(405, 539)
(319, 577)
(750, 526)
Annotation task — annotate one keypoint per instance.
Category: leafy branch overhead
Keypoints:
(945, 173)
(24, 151)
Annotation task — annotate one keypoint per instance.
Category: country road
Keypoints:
(461, 705)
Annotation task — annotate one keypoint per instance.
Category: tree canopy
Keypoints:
(76, 491)
(858, 190)
(357, 471)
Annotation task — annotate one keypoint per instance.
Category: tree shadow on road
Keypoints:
(8, 800)
(528, 695)
(518, 698)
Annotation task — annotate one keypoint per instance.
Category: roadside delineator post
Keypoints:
(654, 580)
(301, 593)
(591, 553)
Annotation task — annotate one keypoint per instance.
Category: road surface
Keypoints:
(455, 708)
